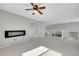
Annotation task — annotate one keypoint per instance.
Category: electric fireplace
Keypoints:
(14, 33)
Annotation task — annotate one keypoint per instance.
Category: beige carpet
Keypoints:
(66, 48)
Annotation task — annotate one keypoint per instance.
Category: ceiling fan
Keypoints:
(36, 9)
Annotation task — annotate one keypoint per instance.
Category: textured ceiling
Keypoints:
(54, 13)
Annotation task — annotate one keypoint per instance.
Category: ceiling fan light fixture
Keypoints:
(34, 11)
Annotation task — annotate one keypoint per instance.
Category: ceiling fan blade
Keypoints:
(28, 9)
(39, 12)
(32, 4)
(42, 7)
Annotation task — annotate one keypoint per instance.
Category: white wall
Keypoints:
(9, 21)
(72, 27)
(66, 27)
